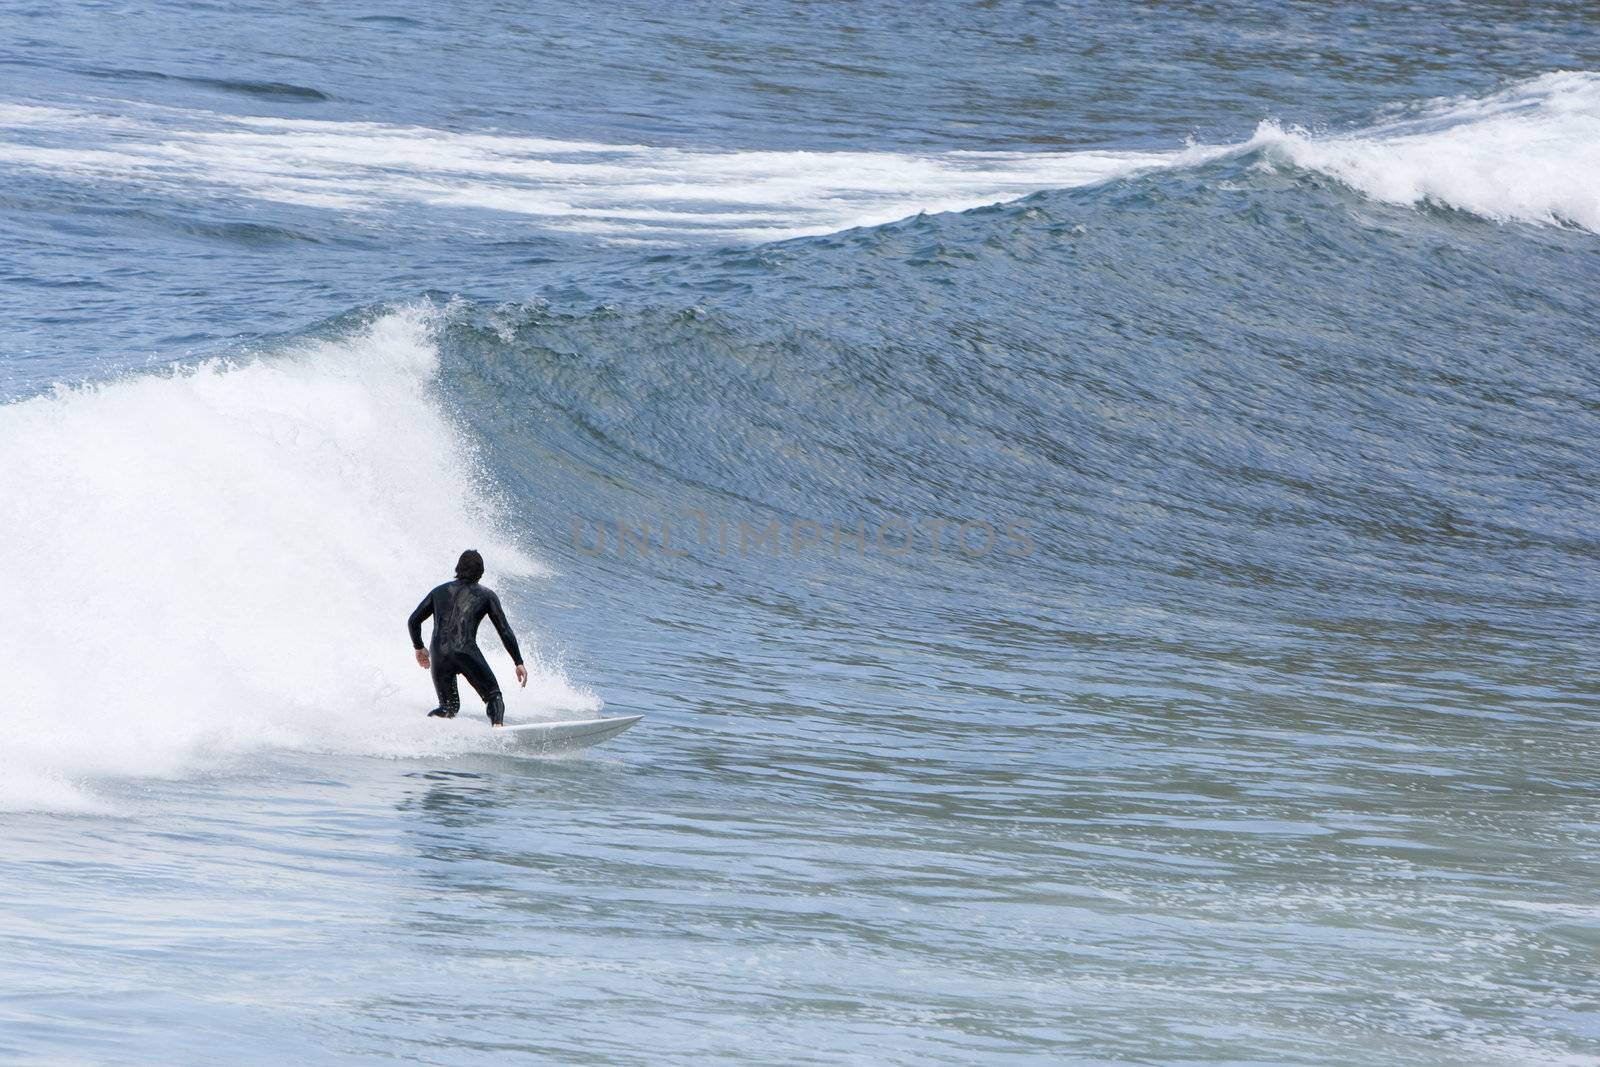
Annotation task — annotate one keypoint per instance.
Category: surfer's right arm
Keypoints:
(414, 624)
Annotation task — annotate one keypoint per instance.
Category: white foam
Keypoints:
(218, 561)
(1528, 154)
(625, 190)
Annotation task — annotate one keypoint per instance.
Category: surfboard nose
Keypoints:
(564, 735)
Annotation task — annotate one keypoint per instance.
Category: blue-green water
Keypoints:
(1097, 505)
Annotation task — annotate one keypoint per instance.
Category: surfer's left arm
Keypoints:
(497, 615)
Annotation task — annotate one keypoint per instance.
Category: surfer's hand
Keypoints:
(522, 675)
(422, 658)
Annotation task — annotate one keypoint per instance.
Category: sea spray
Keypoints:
(219, 560)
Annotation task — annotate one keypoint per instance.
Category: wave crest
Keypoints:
(1528, 154)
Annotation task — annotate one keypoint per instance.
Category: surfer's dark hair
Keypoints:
(470, 566)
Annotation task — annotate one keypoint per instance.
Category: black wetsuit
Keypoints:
(457, 608)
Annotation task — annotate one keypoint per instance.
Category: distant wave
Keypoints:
(1528, 153)
(269, 89)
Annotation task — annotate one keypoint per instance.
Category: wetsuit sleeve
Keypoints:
(497, 616)
(418, 617)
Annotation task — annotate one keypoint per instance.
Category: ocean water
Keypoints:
(1098, 505)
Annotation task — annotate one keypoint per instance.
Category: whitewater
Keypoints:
(1527, 153)
(242, 535)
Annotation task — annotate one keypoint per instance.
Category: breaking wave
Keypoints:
(1527, 153)
(218, 561)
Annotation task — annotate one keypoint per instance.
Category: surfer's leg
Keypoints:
(444, 684)
(482, 679)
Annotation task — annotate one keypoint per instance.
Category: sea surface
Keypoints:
(1098, 505)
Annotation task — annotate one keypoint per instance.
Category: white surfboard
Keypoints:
(561, 736)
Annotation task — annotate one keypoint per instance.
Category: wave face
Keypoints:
(1041, 361)
(218, 561)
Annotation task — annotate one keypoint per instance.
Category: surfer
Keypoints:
(458, 607)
